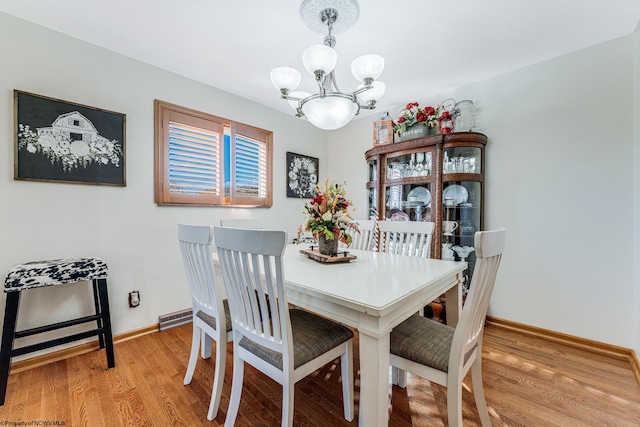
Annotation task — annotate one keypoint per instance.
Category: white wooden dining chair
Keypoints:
(411, 238)
(366, 238)
(211, 318)
(444, 355)
(243, 223)
(285, 344)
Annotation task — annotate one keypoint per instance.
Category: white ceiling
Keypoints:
(429, 45)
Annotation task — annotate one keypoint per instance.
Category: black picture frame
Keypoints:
(302, 175)
(66, 142)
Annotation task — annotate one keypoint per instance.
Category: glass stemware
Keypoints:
(463, 251)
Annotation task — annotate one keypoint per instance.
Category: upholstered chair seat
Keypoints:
(312, 336)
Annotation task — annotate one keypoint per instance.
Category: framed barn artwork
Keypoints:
(61, 141)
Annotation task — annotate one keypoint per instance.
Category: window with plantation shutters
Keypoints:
(194, 165)
(206, 160)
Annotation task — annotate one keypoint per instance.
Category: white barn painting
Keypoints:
(66, 142)
(73, 141)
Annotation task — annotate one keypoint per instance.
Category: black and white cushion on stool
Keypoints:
(54, 272)
(33, 275)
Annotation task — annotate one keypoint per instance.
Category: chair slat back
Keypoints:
(411, 238)
(489, 246)
(195, 245)
(254, 224)
(366, 238)
(253, 276)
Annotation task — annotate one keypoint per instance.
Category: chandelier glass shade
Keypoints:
(319, 58)
(374, 93)
(330, 108)
(286, 78)
(367, 67)
(329, 112)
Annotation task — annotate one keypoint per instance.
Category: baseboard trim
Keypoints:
(77, 350)
(572, 341)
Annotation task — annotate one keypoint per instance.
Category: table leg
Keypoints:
(453, 298)
(374, 380)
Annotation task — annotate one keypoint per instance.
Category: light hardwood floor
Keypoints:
(528, 382)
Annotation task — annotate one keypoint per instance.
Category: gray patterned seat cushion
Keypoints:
(424, 341)
(312, 336)
(211, 321)
(54, 272)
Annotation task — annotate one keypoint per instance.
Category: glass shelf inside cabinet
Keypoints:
(462, 160)
(409, 202)
(409, 165)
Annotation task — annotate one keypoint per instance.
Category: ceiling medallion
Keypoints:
(311, 10)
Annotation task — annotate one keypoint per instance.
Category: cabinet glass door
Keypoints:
(373, 202)
(461, 201)
(373, 170)
(413, 165)
(460, 221)
(408, 202)
(372, 187)
(462, 160)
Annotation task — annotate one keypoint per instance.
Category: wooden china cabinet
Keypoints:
(437, 178)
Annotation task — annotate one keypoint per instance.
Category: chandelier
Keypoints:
(330, 108)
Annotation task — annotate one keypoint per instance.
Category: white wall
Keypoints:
(636, 215)
(560, 178)
(123, 225)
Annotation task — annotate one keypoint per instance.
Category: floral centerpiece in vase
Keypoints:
(328, 217)
(416, 122)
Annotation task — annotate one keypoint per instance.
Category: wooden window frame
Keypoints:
(164, 112)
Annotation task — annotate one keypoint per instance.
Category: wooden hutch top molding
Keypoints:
(466, 137)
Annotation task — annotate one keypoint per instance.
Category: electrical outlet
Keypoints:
(134, 298)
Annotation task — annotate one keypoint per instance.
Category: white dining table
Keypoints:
(372, 294)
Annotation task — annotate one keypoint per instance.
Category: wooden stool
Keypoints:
(50, 273)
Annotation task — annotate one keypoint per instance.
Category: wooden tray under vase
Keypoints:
(315, 255)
